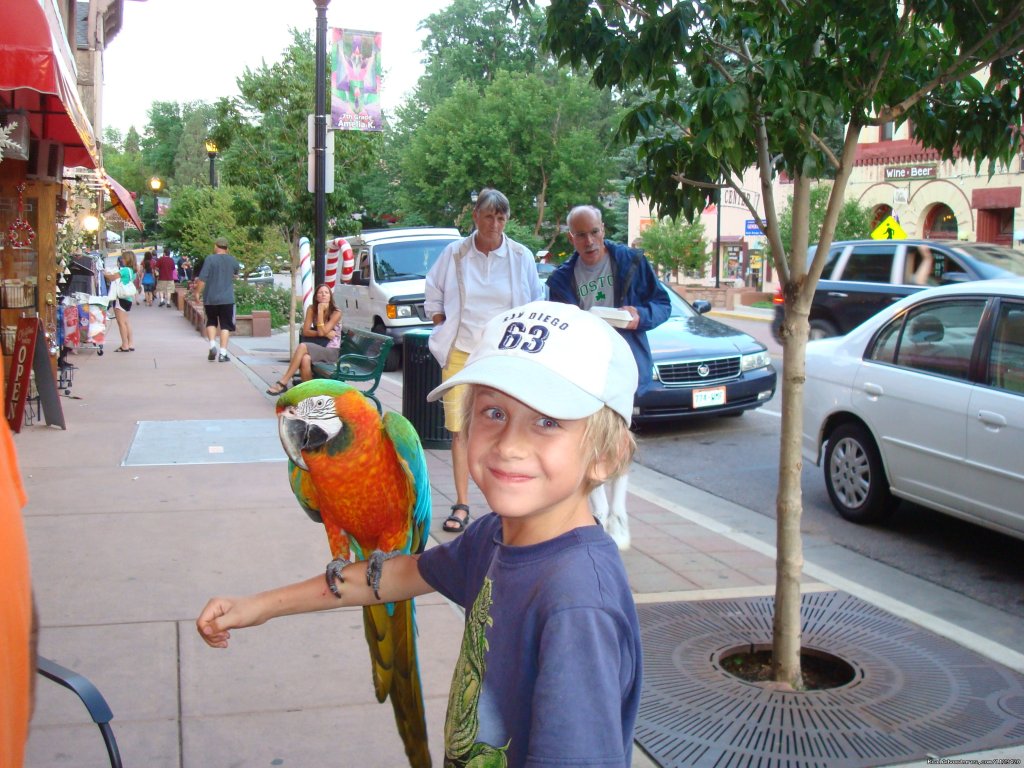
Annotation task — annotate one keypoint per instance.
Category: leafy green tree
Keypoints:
(202, 214)
(676, 245)
(473, 40)
(734, 85)
(163, 135)
(191, 162)
(542, 141)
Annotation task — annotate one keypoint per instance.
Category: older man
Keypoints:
(605, 274)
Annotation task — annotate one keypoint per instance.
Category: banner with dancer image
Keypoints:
(356, 77)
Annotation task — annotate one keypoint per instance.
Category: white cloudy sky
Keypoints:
(193, 50)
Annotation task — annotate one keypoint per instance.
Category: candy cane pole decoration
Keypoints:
(339, 247)
(305, 273)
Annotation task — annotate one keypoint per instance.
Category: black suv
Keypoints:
(861, 277)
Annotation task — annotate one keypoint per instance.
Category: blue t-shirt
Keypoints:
(550, 667)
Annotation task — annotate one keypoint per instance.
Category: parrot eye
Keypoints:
(319, 408)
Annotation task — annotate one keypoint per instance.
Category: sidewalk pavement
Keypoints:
(169, 486)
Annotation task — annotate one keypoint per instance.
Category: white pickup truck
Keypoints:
(385, 294)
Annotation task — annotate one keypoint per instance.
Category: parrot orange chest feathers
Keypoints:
(365, 492)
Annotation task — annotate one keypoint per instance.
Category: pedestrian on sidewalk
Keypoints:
(601, 273)
(165, 278)
(149, 277)
(547, 408)
(216, 284)
(321, 334)
(473, 280)
(124, 276)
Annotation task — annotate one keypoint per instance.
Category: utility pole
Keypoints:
(320, 146)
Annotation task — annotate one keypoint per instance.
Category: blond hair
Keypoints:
(606, 440)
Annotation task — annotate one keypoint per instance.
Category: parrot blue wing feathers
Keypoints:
(407, 443)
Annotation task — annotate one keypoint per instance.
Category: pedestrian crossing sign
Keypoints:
(889, 229)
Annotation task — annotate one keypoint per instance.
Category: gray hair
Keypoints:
(580, 209)
(491, 200)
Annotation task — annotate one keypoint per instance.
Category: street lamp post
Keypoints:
(320, 145)
(211, 152)
(156, 184)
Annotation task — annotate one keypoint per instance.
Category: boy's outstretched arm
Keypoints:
(401, 580)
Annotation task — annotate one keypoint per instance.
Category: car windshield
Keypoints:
(996, 261)
(679, 307)
(406, 261)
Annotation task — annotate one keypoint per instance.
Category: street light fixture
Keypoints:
(91, 224)
(211, 152)
(156, 184)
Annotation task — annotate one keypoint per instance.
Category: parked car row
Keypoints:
(925, 402)
(862, 277)
(703, 367)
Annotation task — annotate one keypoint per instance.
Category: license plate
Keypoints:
(702, 398)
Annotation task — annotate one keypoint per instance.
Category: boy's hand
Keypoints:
(222, 614)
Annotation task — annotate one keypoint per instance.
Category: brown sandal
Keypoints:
(278, 388)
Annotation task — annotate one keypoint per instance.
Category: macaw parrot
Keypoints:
(365, 478)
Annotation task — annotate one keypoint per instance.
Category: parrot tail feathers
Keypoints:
(391, 636)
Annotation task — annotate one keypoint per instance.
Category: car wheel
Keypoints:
(394, 361)
(854, 476)
(822, 329)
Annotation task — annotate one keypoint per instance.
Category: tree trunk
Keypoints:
(786, 627)
(799, 292)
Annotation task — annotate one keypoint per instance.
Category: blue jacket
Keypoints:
(635, 285)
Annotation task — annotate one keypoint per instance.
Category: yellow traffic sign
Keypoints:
(889, 229)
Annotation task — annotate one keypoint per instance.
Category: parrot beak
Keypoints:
(292, 430)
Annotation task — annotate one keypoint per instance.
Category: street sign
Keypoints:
(750, 228)
(889, 229)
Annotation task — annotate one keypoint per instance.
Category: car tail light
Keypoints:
(778, 298)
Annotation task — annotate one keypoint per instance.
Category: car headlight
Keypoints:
(755, 361)
(399, 310)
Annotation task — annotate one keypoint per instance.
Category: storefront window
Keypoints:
(940, 223)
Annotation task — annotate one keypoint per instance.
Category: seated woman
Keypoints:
(321, 322)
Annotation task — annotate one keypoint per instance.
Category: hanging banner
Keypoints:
(356, 76)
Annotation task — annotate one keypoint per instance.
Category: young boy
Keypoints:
(550, 667)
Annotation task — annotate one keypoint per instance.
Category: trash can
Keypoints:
(420, 374)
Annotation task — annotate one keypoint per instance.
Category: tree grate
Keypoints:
(914, 694)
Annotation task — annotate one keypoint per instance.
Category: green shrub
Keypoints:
(277, 300)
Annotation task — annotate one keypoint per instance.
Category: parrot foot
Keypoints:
(334, 575)
(375, 569)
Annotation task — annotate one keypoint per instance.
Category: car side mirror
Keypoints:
(701, 306)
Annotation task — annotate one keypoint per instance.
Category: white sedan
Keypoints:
(925, 402)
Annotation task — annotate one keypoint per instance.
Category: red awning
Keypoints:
(123, 202)
(38, 74)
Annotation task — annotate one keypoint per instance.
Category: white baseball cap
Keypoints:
(556, 358)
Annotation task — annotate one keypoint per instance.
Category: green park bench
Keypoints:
(361, 359)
